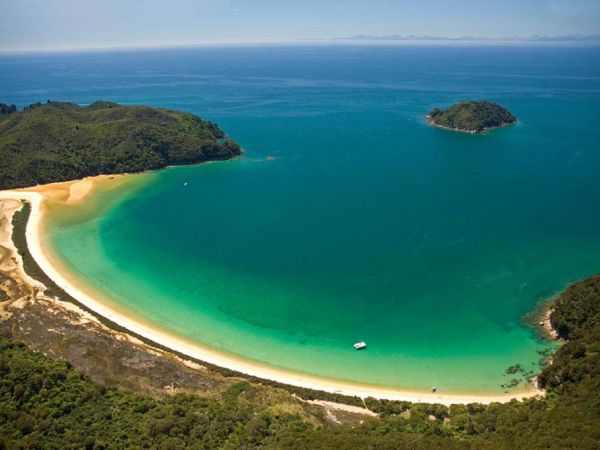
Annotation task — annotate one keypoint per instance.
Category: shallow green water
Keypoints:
(367, 224)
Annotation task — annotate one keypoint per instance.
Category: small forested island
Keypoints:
(471, 116)
(57, 141)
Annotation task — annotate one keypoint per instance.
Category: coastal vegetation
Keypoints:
(58, 141)
(5, 109)
(471, 116)
(47, 404)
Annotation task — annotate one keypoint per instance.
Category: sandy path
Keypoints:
(343, 407)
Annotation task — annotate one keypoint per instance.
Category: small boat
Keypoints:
(185, 184)
(360, 345)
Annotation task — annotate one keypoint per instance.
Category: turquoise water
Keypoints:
(348, 217)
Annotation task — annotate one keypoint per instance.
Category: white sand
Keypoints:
(36, 196)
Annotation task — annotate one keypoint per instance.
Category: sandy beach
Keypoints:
(76, 192)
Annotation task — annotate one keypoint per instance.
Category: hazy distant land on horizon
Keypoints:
(552, 39)
(348, 218)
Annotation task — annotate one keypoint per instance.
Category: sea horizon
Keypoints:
(369, 41)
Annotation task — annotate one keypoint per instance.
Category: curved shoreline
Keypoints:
(198, 352)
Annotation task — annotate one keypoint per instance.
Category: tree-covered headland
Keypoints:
(58, 141)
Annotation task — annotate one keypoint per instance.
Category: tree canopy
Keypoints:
(5, 109)
(58, 141)
(472, 116)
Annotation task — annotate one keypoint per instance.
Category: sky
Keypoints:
(64, 24)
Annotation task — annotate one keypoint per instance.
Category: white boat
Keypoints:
(360, 345)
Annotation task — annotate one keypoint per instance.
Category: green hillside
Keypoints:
(472, 116)
(62, 141)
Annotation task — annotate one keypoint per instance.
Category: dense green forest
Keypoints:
(472, 116)
(46, 404)
(7, 109)
(62, 141)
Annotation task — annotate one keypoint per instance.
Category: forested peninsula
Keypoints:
(471, 116)
(57, 141)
